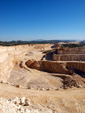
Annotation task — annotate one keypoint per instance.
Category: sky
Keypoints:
(42, 19)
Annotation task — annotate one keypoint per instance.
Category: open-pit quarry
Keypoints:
(42, 78)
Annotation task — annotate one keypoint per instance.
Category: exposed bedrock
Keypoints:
(57, 67)
(69, 54)
(64, 68)
(76, 66)
(76, 50)
(10, 56)
(68, 57)
(74, 80)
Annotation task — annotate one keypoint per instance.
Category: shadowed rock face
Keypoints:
(56, 67)
(69, 54)
(62, 68)
(80, 66)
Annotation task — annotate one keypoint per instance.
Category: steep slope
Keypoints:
(34, 79)
(70, 69)
(11, 56)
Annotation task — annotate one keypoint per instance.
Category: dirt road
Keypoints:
(62, 101)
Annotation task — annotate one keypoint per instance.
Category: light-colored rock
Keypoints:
(27, 102)
(11, 56)
(16, 100)
(79, 86)
(68, 57)
(22, 101)
(75, 50)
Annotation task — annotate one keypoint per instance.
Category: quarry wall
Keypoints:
(76, 65)
(57, 67)
(20, 48)
(10, 55)
(68, 57)
(76, 50)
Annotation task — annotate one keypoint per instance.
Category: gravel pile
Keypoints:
(17, 105)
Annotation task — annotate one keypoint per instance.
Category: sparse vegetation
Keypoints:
(19, 42)
(73, 45)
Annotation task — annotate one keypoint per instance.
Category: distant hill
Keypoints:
(39, 41)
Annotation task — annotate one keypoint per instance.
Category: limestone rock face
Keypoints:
(68, 57)
(54, 67)
(69, 54)
(63, 68)
(76, 66)
(30, 62)
(33, 64)
(5, 69)
(76, 50)
(57, 67)
(10, 56)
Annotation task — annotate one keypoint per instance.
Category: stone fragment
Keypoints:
(18, 86)
(22, 101)
(79, 86)
(27, 102)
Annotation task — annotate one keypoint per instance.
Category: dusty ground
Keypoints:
(61, 101)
